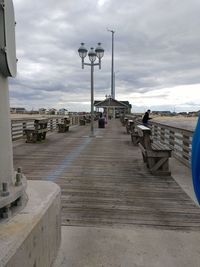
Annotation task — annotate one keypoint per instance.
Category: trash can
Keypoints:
(101, 123)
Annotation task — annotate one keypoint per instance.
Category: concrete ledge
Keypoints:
(32, 237)
(137, 247)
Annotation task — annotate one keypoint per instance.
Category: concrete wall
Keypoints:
(32, 237)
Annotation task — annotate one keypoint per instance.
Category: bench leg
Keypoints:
(34, 137)
(127, 130)
(135, 139)
(44, 136)
(159, 166)
(145, 159)
(39, 136)
(28, 137)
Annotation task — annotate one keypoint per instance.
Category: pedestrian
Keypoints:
(146, 117)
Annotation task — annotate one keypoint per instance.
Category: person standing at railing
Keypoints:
(146, 117)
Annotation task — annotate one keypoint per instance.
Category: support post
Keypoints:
(6, 155)
(112, 68)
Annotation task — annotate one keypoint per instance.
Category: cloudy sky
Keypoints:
(157, 53)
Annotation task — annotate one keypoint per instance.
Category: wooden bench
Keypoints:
(64, 126)
(135, 138)
(82, 122)
(155, 154)
(38, 133)
(88, 119)
(125, 121)
(129, 126)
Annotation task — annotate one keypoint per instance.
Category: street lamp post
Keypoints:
(92, 54)
(112, 67)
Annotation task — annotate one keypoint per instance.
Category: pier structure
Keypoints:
(114, 211)
(112, 107)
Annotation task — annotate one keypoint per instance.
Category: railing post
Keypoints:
(162, 135)
(185, 152)
(11, 126)
(51, 125)
(171, 138)
(155, 131)
(23, 127)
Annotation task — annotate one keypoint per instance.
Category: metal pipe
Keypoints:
(92, 99)
(112, 68)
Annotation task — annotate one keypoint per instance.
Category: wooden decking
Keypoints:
(104, 182)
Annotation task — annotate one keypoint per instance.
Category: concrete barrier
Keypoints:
(32, 237)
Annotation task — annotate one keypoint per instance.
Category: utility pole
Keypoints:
(112, 66)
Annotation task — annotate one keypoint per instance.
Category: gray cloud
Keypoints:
(156, 46)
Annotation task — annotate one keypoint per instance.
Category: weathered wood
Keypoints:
(104, 182)
(38, 133)
(82, 122)
(129, 126)
(173, 136)
(131, 129)
(64, 126)
(34, 135)
(135, 138)
(155, 154)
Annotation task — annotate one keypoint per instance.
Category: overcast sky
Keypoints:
(157, 53)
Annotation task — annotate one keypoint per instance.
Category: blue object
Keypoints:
(196, 160)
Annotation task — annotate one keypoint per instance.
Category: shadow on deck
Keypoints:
(104, 181)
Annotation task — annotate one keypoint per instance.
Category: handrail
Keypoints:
(178, 139)
(19, 125)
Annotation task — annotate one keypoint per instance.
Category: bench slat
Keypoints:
(159, 146)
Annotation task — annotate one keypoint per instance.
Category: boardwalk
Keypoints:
(104, 181)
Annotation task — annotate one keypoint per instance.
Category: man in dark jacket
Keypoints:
(146, 117)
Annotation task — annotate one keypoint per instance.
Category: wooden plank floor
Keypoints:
(104, 182)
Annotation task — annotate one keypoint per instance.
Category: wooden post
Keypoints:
(162, 134)
(171, 138)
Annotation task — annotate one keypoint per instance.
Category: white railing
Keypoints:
(19, 125)
(179, 140)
